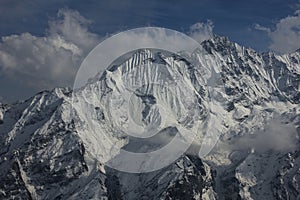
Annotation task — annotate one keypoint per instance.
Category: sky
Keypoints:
(44, 42)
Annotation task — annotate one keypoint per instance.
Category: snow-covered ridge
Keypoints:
(54, 144)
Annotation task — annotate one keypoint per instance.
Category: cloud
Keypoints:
(285, 36)
(202, 30)
(262, 28)
(51, 60)
(276, 136)
(74, 28)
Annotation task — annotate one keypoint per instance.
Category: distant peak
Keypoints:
(298, 50)
(219, 44)
(220, 39)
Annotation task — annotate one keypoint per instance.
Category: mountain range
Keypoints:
(56, 144)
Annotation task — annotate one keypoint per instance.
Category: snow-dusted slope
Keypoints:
(54, 145)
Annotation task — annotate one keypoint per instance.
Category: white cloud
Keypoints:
(262, 28)
(73, 27)
(202, 31)
(276, 136)
(285, 36)
(51, 60)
